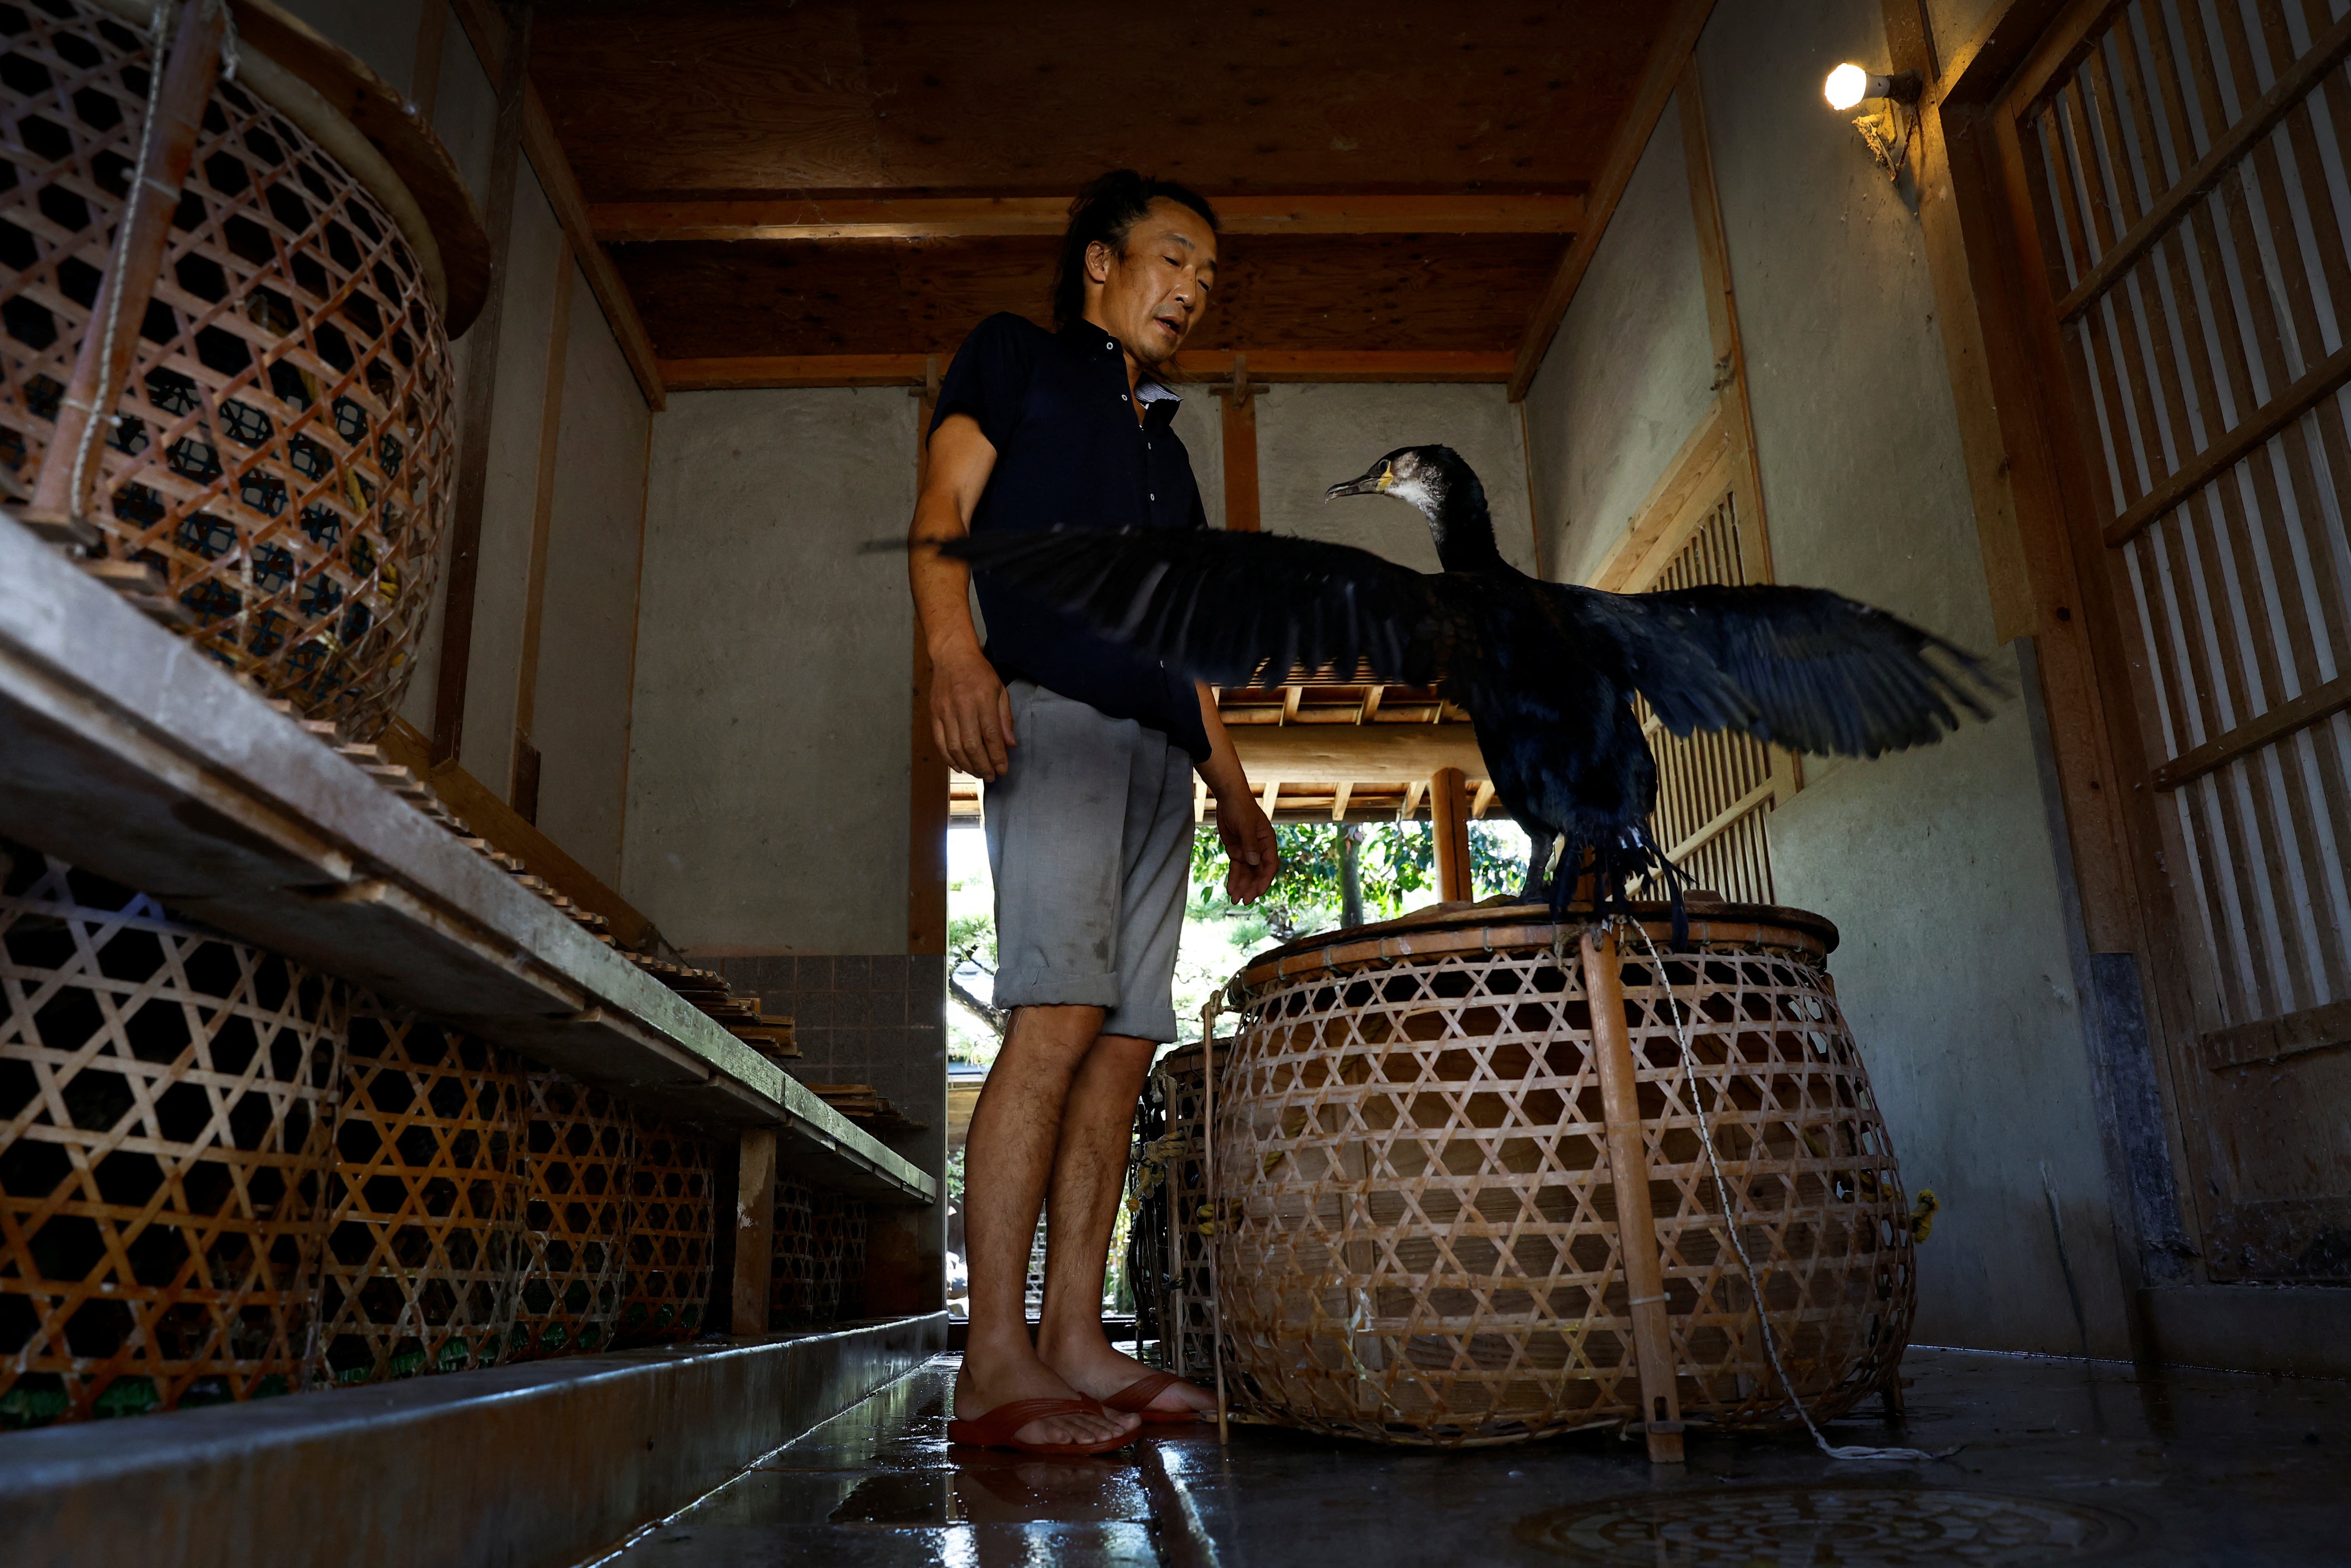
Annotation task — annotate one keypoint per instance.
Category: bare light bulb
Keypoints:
(1847, 85)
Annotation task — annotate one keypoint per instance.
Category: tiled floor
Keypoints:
(2059, 1462)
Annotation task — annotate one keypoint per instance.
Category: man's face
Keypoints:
(1151, 297)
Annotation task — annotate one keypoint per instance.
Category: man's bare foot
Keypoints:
(1085, 1359)
(988, 1380)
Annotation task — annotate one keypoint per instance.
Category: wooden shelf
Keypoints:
(124, 749)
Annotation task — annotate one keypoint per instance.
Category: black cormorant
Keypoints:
(1546, 671)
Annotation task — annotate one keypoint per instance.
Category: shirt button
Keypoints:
(1122, 397)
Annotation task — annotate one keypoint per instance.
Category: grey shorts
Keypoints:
(1089, 840)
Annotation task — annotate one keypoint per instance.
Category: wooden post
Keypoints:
(1449, 809)
(481, 401)
(523, 789)
(1636, 1226)
(753, 1222)
(424, 74)
(58, 491)
(928, 805)
(1240, 451)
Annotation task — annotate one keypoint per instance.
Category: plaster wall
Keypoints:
(381, 32)
(1200, 427)
(1939, 865)
(587, 629)
(1311, 437)
(1631, 373)
(1954, 23)
(768, 765)
(589, 607)
(510, 498)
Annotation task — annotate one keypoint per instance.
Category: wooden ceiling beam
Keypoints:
(1207, 368)
(958, 217)
(1667, 58)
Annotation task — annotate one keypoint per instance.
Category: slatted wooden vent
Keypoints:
(1715, 792)
(2188, 169)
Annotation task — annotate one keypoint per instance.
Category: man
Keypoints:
(1088, 750)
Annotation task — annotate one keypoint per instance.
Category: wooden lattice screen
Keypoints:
(1715, 792)
(2178, 173)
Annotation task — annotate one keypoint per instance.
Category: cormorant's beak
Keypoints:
(1371, 483)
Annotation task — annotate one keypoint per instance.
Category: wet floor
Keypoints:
(2058, 1462)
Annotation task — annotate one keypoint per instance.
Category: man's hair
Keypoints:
(1107, 210)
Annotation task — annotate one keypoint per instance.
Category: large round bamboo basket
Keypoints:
(1418, 1228)
(280, 452)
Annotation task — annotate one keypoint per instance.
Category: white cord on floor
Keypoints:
(1731, 1223)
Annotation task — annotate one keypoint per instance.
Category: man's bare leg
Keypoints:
(1008, 1159)
(1089, 1181)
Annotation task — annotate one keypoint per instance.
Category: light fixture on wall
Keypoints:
(1849, 85)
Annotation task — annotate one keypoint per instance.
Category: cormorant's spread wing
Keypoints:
(1801, 667)
(1220, 605)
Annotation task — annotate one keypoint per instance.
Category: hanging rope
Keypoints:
(1730, 1225)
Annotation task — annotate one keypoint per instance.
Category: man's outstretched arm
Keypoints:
(1252, 853)
(971, 715)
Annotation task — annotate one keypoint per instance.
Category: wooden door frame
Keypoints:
(2048, 575)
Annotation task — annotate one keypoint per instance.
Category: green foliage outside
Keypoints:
(1398, 869)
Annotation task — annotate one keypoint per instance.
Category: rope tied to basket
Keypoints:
(1731, 1226)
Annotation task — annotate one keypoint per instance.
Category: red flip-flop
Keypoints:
(1135, 1399)
(996, 1429)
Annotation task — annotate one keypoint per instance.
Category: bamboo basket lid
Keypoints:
(1499, 923)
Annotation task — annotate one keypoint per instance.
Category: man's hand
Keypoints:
(1252, 853)
(971, 714)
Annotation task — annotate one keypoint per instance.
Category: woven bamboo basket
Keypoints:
(581, 1147)
(792, 1281)
(668, 1235)
(425, 1217)
(164, 1107)
(283, 452)
(1168, 1248)
(818, 1276)
(1419, 1228)
(840, 1227)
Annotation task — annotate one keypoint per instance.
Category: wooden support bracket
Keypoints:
(754, 1230)
(1636, 1225)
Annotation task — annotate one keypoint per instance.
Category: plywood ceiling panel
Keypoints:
(711, 298)
(1034, 97)
(688, 100)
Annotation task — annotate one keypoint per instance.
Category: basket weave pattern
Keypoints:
(164, 1134)
(668, 1231)
(818, 1276)
(284, 441)
(575, 1217)
(1167, 1249)
(1419, 1238)
(424, 1243)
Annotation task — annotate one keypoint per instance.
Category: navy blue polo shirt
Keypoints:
(1069, 453)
